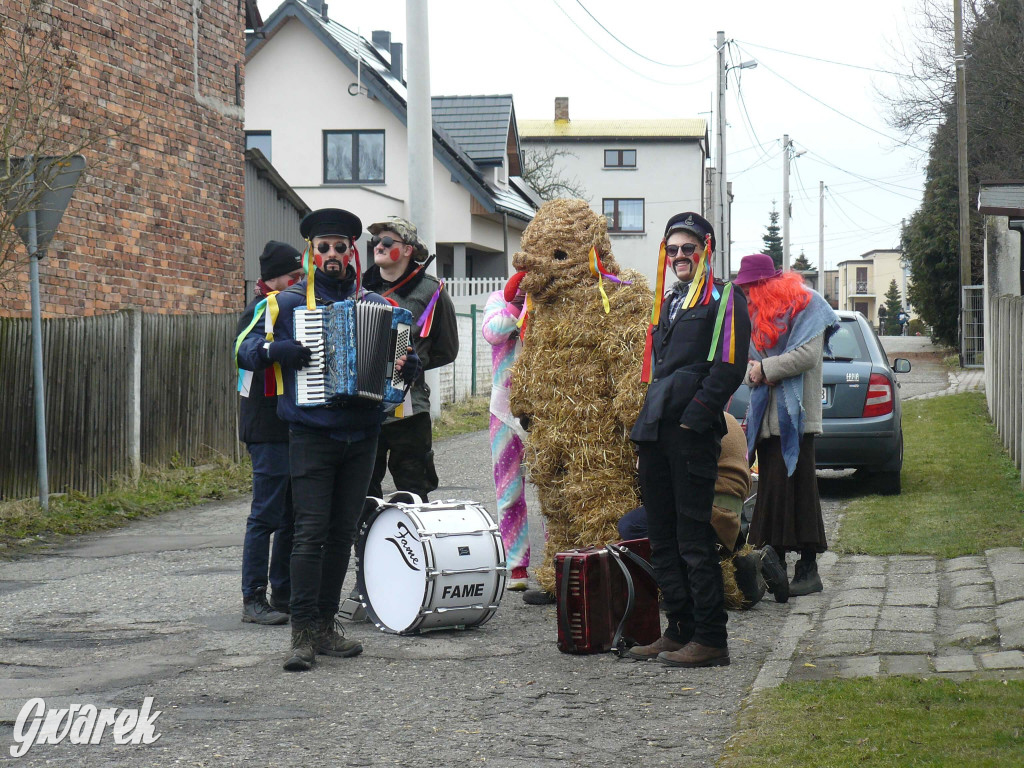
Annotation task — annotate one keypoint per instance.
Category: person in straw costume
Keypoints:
(577, 382)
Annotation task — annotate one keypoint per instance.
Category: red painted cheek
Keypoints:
(395, 254)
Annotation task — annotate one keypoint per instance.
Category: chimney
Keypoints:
(397, 61)
(382, 41)
(318, 6)
(561, 108)
(323, 10)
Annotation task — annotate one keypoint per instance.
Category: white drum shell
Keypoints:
(430, 566)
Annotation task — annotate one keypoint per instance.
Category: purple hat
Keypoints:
(754, 268)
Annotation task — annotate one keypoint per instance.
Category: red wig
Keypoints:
(772, 303)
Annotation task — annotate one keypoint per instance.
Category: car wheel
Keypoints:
(887, 483)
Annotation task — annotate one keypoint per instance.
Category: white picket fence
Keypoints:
(473, 286)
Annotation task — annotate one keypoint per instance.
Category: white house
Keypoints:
(638, 173)
(328, 109)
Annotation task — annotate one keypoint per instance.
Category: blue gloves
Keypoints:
(289, 353)
(412, 368)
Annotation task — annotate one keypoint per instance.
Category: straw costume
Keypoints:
(578, 378)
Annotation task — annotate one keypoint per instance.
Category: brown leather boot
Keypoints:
(649, 652)
(696, 655)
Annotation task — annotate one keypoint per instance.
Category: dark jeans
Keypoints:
(677, 475)
(271, 513)
(329, 481)
(411, 459)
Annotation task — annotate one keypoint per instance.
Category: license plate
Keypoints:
(824, 396)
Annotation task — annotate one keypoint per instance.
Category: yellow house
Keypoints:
(864, 281)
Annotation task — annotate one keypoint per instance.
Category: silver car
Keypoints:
(862, 424)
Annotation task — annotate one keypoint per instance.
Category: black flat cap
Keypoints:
(693, 223)
(330, 221)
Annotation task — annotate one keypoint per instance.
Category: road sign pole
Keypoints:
(37, 365)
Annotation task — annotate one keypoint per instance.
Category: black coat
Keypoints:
(258, 421)
(686, 389)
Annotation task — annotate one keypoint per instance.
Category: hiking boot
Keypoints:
(331, 640)
(805, 578)
(280, 603)
(256, 610)
(649, 652)
(696, 655)
(302, 653)
(538, 597)
(518, 580)
(774, 572)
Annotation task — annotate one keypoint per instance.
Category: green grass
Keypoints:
(882, 722)
(961, 492)
(470, 415)
(23, 523)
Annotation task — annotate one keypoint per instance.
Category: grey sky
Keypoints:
(539, 49)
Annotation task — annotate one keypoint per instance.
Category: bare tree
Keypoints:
(41, 116)
(542, 170)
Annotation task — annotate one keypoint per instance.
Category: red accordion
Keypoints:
(607, 598)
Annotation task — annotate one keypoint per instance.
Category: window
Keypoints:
(353, 157)
(258, 140)
(624, 214)
(620, 158)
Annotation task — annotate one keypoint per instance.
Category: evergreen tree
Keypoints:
(893, 306)
(802, 262)
(772, 239)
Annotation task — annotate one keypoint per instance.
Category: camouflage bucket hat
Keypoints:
(406, 230)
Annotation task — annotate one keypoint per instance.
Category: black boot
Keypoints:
(774, 571)
(806, 579)
(256, 610)
(303, 652)
(331, 640)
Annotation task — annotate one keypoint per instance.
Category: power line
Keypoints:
(633, 50)
(873, 182)
(838, 111)
(617, 61)
(826, 61)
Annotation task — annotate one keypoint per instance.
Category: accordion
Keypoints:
(355, 345)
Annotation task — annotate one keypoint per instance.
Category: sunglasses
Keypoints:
(686, 248)
(338, 247)
(387, 242)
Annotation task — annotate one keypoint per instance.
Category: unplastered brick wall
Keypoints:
(157, 219)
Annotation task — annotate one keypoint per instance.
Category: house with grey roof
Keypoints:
(328, 108)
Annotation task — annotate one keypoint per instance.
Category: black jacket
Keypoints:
(258, 421)
(686, 389)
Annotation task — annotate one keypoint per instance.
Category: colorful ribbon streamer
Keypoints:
(426, 321)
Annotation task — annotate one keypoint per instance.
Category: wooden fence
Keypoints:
(120, 389)
(1004, 371)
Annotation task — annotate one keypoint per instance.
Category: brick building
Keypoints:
(157, 219)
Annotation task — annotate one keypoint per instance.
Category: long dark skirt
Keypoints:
(787, 514)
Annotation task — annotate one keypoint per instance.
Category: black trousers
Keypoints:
(411, 460)
(677, 476)
(329, 481)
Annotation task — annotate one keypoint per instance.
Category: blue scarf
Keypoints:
(816, 318)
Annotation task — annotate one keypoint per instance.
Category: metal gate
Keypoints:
(973, 337)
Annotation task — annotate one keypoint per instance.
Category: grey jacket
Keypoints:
(806, 360)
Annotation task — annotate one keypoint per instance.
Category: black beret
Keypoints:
(693, 223)
(330, 221)
(278, 259)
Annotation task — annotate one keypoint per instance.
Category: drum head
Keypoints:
(393, 569)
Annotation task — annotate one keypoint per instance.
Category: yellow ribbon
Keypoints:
(310, 269)
(595, 270)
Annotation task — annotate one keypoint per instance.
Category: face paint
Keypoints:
(395, 253)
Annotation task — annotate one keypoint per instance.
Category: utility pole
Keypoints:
(721, 266)
(421, 148)
(961, 163)
(821, 238)
(785, 201)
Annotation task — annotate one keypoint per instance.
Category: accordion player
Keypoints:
(355, 345)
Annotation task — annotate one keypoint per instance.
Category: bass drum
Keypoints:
(433, 565)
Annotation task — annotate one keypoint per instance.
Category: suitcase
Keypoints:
(607, 598)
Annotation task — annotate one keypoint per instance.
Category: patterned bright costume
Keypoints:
(499, 329)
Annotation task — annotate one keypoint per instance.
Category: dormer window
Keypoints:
(620, 158)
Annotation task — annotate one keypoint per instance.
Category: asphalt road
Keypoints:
(152, 610)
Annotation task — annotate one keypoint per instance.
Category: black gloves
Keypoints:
(289, 353)
(412, 368)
